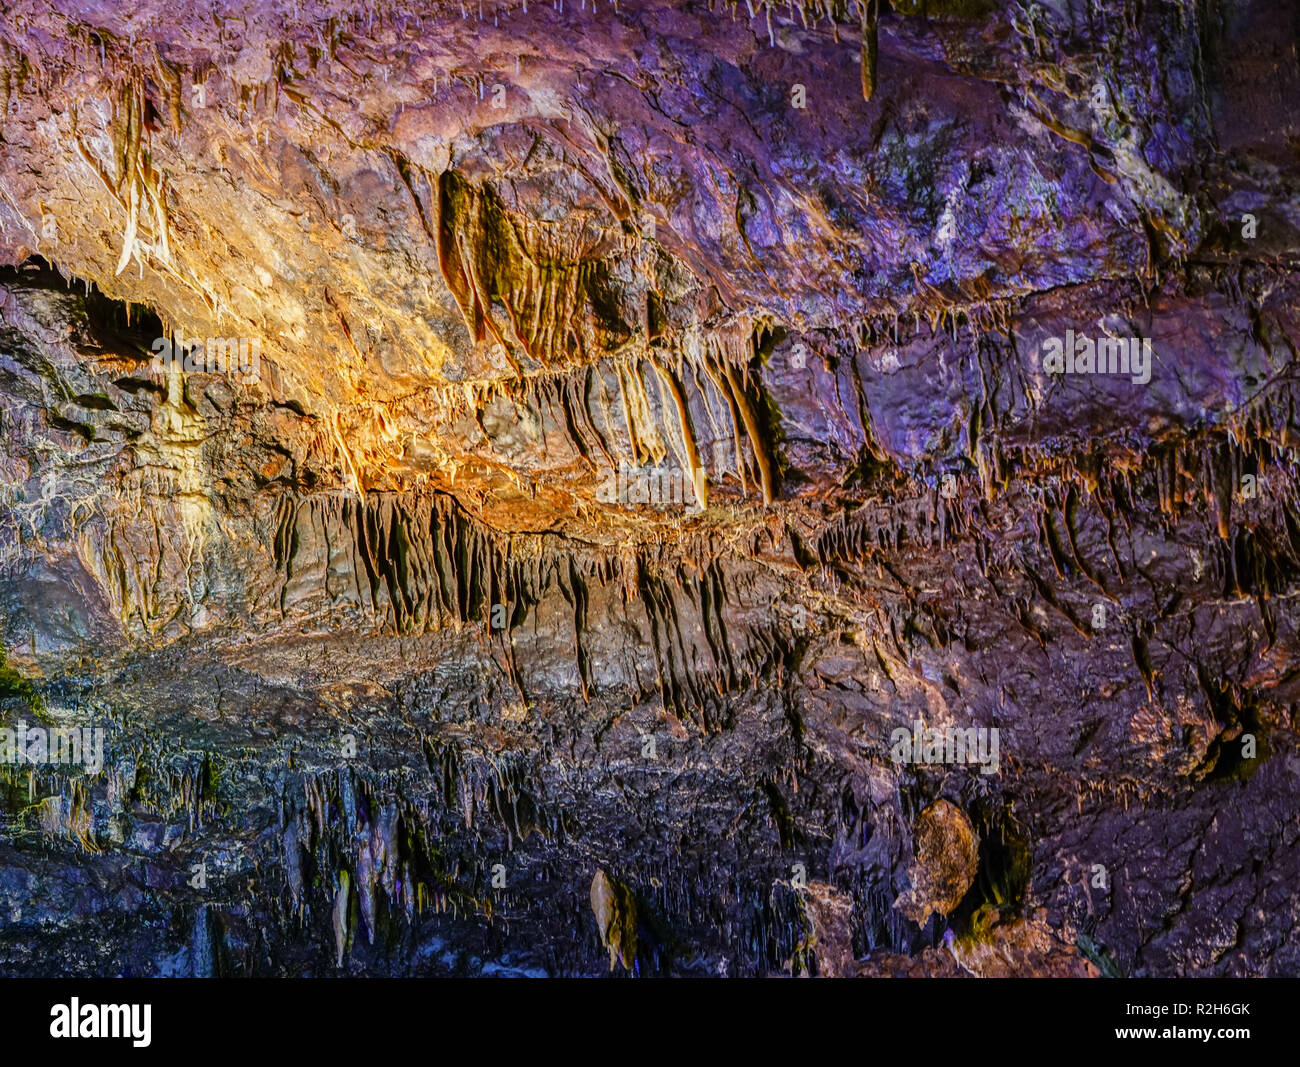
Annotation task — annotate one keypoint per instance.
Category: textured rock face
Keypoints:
(625, 515)
(947, 860)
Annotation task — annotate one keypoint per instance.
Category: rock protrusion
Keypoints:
(945, 864)
(614, 906)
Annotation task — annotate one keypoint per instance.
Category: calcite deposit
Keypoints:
(498, 476)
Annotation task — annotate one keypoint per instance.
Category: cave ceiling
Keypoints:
(596, 436)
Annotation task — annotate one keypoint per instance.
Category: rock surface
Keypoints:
(610, 456)
(946, 862)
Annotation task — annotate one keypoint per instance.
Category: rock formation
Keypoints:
(661, 488)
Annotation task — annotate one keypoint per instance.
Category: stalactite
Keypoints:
(870, 46)
(690, 451)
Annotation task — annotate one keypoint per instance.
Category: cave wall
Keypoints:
(650, 418)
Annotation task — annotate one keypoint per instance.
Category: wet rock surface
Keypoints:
(630, 460)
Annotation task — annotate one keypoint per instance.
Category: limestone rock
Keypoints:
(614, 906)
(946, 861)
